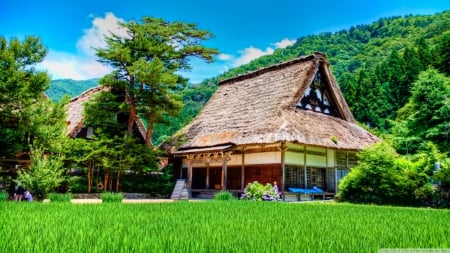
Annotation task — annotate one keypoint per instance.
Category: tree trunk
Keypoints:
(117, 181)
(132, 103)
(105, 181)
(90, 175)
(110, 182)
(132, 117)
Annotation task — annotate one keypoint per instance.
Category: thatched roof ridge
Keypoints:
(75, 118)
(259, 108)
(280, 65)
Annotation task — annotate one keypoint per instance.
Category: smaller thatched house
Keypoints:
(287, 123)
(75, 118)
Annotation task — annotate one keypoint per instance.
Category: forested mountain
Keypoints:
(59, 88)
(374, 64)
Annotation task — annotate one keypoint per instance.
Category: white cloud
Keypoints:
(251, 53)
(224, 57)
(94, 36)
(284, 43)
(83, 65)
(68, 66)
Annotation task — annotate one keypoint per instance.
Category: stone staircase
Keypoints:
(180, 191)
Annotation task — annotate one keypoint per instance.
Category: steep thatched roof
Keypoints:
(260, 108)
(75, 118)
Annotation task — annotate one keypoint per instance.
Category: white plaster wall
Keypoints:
(263, 158)
(316, 160)
(331, 158)
(325, 160)
(293, 158)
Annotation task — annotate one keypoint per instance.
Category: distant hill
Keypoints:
(59, 88)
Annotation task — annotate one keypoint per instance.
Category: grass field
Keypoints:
(218, 226)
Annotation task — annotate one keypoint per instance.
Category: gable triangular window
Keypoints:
(318, 98)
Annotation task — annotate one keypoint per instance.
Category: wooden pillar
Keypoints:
(189, 183)
(224, 173)
(335, 180)
(243, 169)
(207, 175)
(283, 169)
(305, 167)
(326, 168)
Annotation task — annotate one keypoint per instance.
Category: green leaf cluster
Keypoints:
(258, 192)
(21, 87)
(384, 177)
(111, 197)
(45, 174)
(60, 197)
(224, 195)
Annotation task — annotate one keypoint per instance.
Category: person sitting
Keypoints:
(275, 187)
(19, 193)
(27, 196)
(276, 190)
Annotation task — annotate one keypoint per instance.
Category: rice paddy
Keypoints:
(218, 226)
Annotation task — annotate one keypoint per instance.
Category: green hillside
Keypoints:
(72, 88)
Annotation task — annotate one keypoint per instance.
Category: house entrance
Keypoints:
(200, 175)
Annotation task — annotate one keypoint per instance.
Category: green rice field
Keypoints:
(218, 226)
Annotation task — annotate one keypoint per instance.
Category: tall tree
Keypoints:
(147, 62)
(424, 53)
(443, 53)
(395, 67)
(21, 86)
(427, 114)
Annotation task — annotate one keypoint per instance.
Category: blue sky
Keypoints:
(244, 30)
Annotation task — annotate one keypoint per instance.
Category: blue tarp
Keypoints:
(306, 191)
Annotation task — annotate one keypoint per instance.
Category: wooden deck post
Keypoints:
(224, 173)
(243, 169)
(283, 149)
(335, 180)
(305, 167)
(189, 186)
(207, 175)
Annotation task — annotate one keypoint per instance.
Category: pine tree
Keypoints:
(147, 66)
(429, 110)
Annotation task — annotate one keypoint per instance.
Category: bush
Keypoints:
(257, 191)
(111, 197)
(3, 196)
(224, 195)
(45, 174)
(384, 177)
(60, 197)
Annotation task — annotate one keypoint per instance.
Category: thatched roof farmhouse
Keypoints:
(288, 123)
